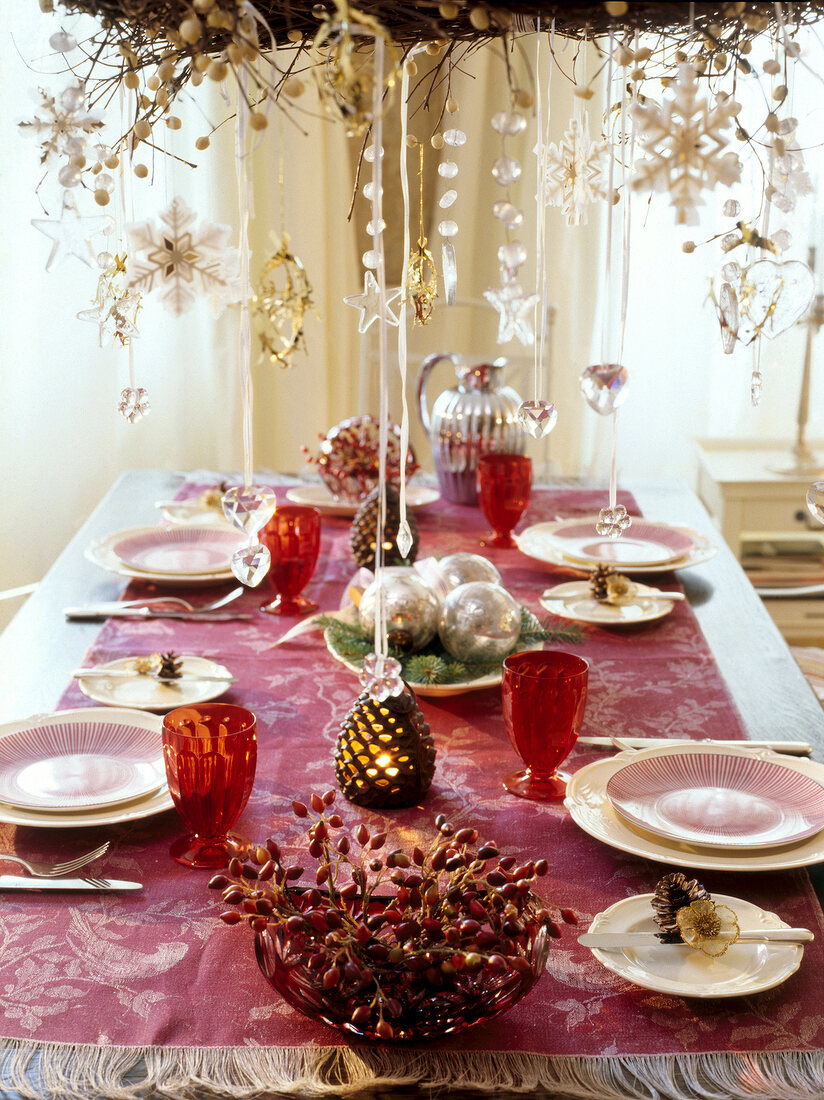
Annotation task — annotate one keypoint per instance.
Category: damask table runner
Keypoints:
(104, 983)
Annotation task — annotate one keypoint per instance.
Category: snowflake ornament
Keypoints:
(684, 141)
(183, 262)
(62, 124)
(574, 171)
(788, 179)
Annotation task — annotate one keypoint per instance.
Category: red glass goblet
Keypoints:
(292, 537)
(210, 753)
(544, 695)
(504, 484)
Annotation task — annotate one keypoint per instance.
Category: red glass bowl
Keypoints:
(422, 1010)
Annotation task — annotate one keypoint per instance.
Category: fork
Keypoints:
(154, 601)
(56, 870)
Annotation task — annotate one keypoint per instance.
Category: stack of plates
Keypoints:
(705, 806)
(643, 548)
(182, 555)
(87, 767)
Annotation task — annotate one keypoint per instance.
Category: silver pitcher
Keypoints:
(476, 417)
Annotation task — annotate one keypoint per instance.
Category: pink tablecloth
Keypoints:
(105, 981)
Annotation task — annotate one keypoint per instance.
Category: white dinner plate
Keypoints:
(744, 969)
(318, 496)
(574, 600)
(428, 691)
(590, 808)
(537, 543)
(642, 544)
(178, 550)
(148, 693)
(718, 800)
(80, 760)
(101, 553)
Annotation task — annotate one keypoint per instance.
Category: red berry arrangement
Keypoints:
(349, 455)
(394, 945)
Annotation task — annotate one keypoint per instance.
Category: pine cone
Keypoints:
(170, 666)
(672, 893)
(598, 581)
(363, 538)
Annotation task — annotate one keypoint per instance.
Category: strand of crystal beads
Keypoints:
(515, 308)
(452, 138)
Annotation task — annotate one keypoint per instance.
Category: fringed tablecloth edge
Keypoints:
(52, 1071)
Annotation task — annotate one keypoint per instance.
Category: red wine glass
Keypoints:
(210, 752)
(504, 484)
(544, 695)
(292, 537)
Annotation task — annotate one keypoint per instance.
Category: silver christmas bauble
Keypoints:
(479, 622)
(463, 568)
(412, 609)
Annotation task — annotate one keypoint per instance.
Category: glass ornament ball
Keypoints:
(448, 228)
(447, 199)
(75, 147)
(410, 608)
(508, 123)
(371, 259)
(454, 138)
(479, 622)
(73, 98)
(731, 271)
(508, 213)
(373, 228)
(69, 175)
(63, 42)
(731, 208)
(604, 387)
(447, 169)
(369, 154)
(506, 170)
(104, 182)
(512, 255)
(104, 260)
(462, 568)
(815, 501)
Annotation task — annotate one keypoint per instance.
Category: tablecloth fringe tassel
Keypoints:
(45, 1071)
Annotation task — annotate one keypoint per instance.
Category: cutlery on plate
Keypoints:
(16, 882)
(129, 674)
(81, 613)
(791, 748)
(52, 870)
(607, 940)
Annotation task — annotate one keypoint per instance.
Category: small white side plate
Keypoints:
(147, 693)
(318, 496)
(573, 600)
(746, 968)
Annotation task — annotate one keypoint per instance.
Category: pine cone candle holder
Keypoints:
(598, 581)
(363, 536)
(393, 945)
(385, 756)
(674, 892)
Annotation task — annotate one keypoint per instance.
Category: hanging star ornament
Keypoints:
(515, 309)
(684, 140)
(115, 309)
(369, 303)
(183, 262)
(574, 172)
(71, 234)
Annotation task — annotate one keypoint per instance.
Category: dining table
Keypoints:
(149, 994)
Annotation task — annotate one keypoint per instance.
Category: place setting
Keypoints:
(608, 598)
(186, 555)
(156, 682)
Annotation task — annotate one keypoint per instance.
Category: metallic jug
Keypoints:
(476, 417)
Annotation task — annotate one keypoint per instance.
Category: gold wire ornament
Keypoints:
(708, 927)
(280, 302)
(421, 274)
(346, 78)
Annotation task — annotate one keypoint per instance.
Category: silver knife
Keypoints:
(18, 882)
(792, 748)
(607, 940)
(92, 613)
(129, 674)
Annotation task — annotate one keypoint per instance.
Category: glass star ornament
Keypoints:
(604, 387)
(684, 139)
(369, 303)
(249, 507)
(134, 404)
(181, 261)
(251, 563)
(381, 676)
(538, 418)
(574, 173)
(115, 309)
(72, 235)
(515, 309)
(62, 124)
(772, 297)
(613, 521)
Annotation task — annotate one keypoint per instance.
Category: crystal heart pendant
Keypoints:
(537, 417)
(604, 387)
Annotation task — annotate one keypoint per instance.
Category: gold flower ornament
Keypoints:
(708, 927)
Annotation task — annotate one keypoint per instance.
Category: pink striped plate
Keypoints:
(184, 550)
(725, 801)
(642, 544)
(81, 763)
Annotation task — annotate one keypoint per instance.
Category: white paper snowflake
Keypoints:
(788, 179)
(62, 124)
(684, 141)
(574, 171)
(183, 262)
